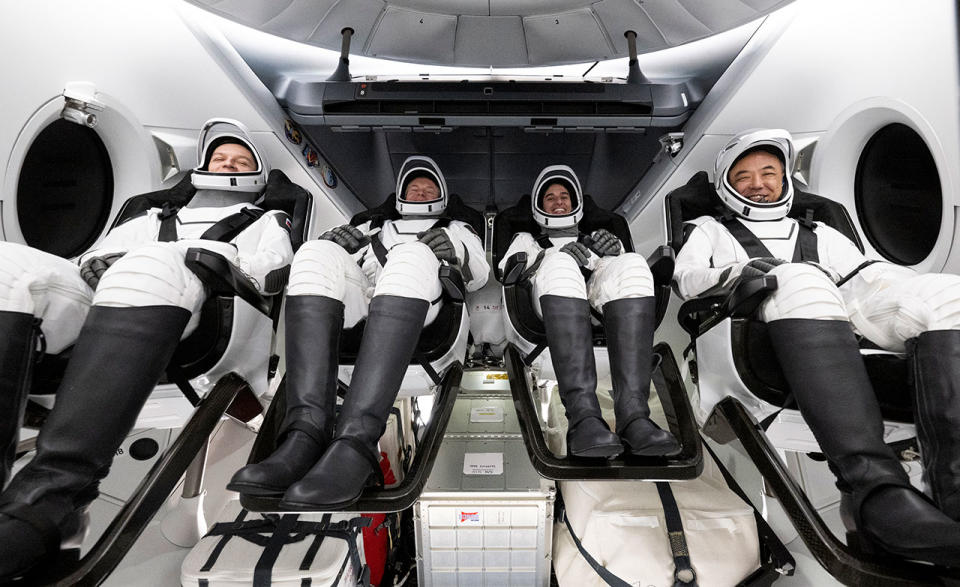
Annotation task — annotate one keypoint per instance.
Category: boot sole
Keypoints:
(936, 555)
(318, 507)
(604, 451)
(255, 489)
(650, 452)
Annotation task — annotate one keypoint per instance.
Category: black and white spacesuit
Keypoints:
(388, 274)
(124, 308)
(825, 286)
(620, 286)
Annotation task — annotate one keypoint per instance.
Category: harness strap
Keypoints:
(804, 250)
(224, 230)
(858, 269)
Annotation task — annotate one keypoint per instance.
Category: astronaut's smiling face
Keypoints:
(556, 200)
(231, 158)
(758, 176)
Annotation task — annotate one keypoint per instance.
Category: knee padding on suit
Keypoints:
(151, 275)
(411, 272)
(805, 292)
(559, 275)
(616, 278)
(928, 302)
(321, 268)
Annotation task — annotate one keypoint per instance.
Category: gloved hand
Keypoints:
(756, 268)
(93, 268)
(579, 252)
(604, 243)
(347, 236)
(439, 242)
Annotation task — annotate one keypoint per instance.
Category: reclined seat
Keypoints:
(744, 395)
(435, 371)
(528, 345)
(221, 368)
(733, 352)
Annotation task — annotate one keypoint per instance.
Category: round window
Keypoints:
(65, 189)
(898, 195)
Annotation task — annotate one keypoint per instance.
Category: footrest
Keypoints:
(666, 377)
(375, 500)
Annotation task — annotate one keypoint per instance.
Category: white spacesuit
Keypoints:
(387, 273)
(620, 287)
(124, 309)
(825, 285)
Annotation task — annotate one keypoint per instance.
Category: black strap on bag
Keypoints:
(273, 533)
(608, 577)
(777, 554)
(683, 573)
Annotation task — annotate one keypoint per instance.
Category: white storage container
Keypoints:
(485, 516)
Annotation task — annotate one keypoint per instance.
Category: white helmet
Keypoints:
(563, 175)
(219, 131)
(777, 142)
(421, 166)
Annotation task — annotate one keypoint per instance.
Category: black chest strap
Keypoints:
(224, 230)
(804, 250)
(380, 251)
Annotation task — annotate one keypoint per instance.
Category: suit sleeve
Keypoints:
(263, 249)
(470, 255)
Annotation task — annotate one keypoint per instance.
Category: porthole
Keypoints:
(65, 189)
(898, 195)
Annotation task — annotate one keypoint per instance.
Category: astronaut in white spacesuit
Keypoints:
(825, 286)
(387, 274)
(620, 287)
(124, 309)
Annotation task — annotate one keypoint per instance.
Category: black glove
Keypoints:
(579, 252)
(604, 243)
(347, 236)
(439, 242)
(93, 268)
(756, 268)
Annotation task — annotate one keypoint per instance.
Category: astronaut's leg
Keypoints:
(821, 362)
(141, 307)
(324, 281)
(622, 288)
(36, 288)
(399, 308)
(559, 287)
(924, 312)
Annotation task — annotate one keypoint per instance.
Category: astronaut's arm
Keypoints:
(522, 242)
(264, 250)
(694, 274)
(839, 256)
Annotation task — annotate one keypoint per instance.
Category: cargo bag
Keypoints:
(289, 550)
(688, 533)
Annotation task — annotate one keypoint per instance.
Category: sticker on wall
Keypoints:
(311, 155)
(329, 177)
(292, 132)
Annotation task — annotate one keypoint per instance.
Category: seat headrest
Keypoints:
(699, 198)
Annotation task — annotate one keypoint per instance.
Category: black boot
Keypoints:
(18, 338)
(936, 374)
(823, 367)
(117, 360)
(313, 325)
(352, 461)
(629, 324)
(570, 337)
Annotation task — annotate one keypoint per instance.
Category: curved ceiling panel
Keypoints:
(498, 33)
